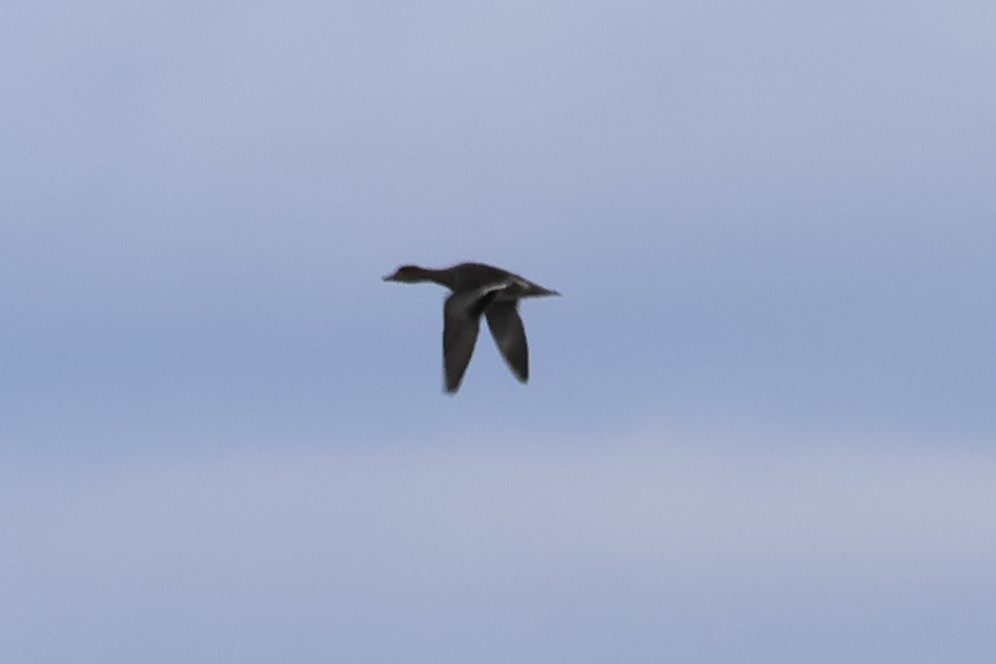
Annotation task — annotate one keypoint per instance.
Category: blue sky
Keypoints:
(759, 425)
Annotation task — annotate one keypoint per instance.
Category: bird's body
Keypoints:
(478, 289)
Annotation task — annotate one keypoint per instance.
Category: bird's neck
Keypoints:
(441, 277)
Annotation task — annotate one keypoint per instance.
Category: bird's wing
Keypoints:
(461, 322)
(506, 328)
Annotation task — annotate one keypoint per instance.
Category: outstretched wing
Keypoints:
(461, 322)
(510, 335)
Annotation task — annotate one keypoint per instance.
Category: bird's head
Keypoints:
(408, 274)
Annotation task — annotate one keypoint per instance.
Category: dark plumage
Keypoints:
(478, 289)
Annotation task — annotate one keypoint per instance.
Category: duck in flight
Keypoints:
(478, 289)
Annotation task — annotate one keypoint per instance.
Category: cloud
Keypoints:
(318, 551)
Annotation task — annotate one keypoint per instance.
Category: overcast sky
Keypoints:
(761, 420)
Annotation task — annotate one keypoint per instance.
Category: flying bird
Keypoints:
(478, 289)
